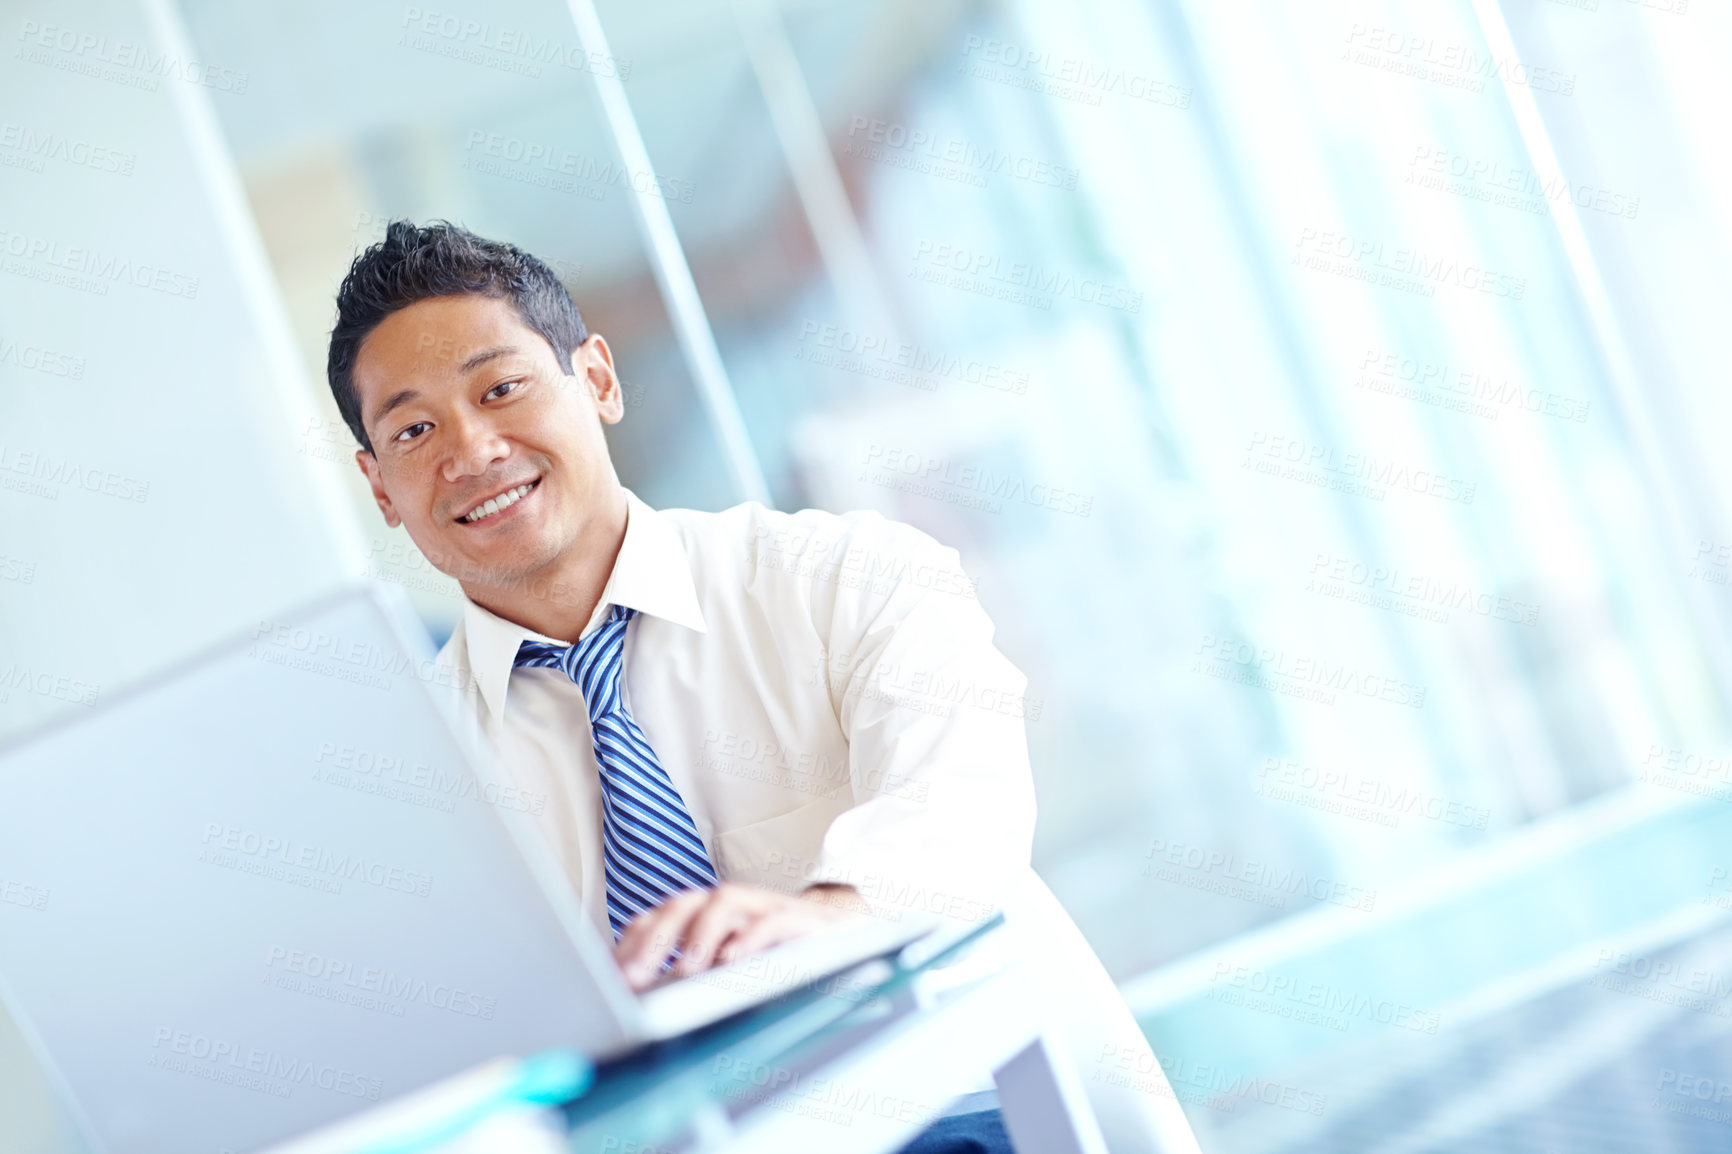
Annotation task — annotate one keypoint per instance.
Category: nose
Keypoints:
(474, 448)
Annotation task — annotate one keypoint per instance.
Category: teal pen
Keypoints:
(545, 1079)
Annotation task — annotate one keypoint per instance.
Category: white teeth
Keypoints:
(509, 497)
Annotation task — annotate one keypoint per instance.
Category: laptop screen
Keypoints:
(270, 891)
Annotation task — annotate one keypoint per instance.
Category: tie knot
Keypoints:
(593, 664)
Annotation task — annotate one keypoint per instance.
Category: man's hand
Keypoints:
(713, 927)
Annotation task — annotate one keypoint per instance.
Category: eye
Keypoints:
(502, 388)
(412, 431)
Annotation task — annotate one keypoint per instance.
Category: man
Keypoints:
(735, 717)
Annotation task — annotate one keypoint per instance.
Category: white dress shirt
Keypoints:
(822, 690)
(824, 693)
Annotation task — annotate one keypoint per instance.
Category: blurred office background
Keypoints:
(1327, 399)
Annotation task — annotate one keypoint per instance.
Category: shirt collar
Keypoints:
(651, 574)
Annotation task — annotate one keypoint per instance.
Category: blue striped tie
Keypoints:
(650, 847)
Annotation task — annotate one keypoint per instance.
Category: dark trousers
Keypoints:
(981, 1132)
(973, 1131)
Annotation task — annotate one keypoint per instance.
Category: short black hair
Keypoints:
(416, 262)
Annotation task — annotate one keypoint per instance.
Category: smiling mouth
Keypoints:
(493, 506)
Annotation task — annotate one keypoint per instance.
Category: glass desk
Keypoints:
(689, 1092)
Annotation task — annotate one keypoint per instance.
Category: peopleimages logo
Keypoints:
(804, 771)
(253, 1067)
(52, 471)
(88, 269)
(935, 690)
(903, 362)
(399, 779)
(252, 852)
(554, 161)
(17, 893)
(17, 569)
(825, 1099)
(1468, 390)
(1311, 678)
(1019, 282)
(1364, 799)
(1666, 981)
(1198, 1083)
(483, 42)
(362, 661)
(1456, 65)
(942, 476)
(327, 976)
(1358, 474)
(1509, 186)
(1406, 268)
(937, 154)
(39, 359)
(107, 58)
(1181, 864)
(1075, 78)
(837, 559)
(35, 146)
(1414, 594)
(1319, 1003)
(16, 678)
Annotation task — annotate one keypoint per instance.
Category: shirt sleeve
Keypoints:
(944, 808)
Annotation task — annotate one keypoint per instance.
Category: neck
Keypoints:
(557, 599)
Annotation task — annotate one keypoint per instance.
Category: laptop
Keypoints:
(275, 886)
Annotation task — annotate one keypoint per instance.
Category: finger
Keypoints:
(631, 938)
(653, 923)
(728, 951)
(652, 936)
(771, 930)
(725, 915)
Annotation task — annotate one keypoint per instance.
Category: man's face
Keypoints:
(466, 406)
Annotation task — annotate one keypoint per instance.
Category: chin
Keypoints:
(509, 562)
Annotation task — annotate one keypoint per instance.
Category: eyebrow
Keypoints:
(396, 400)
(493, 352)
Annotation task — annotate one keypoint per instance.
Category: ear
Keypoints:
(370, 469)
(594, 360)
